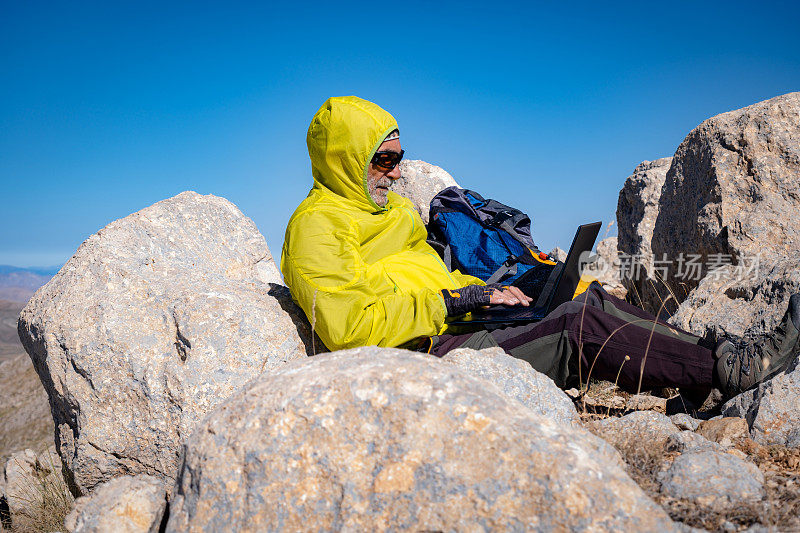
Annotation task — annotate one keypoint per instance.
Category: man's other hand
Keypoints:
(509, 295)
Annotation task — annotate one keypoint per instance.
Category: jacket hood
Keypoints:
(343, 136)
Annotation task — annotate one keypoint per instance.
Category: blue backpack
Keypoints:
(486, 239)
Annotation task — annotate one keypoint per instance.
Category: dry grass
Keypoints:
(46, 500)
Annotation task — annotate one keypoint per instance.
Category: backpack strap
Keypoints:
(447, 256)
(508, 267)
(549, 285)
(509, 228)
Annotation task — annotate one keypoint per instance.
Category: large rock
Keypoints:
(725, 430)
(157, 318)
(772, 409)
(420, 182)
(638, 205)
(637, 210)
(726, 197)
(684, 421)
(638, 426)
(740, 304)
(127, 504)
(689, 440)
(712, 478)
(516, 379)
(375, 439)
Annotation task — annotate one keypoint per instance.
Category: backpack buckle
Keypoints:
(500, 217)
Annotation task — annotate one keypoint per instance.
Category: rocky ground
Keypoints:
(708, 474)
(184, 398)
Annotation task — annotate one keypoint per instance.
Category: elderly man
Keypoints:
(356, 260)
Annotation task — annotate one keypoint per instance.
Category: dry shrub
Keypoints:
(643, 458)
(47, 501)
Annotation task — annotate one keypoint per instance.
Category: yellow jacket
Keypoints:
(363, 274)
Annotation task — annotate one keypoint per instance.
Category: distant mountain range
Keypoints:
(42, 271)
(18, 284)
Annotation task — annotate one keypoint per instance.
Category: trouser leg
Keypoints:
(600, 331)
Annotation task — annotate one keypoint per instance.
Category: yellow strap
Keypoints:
(583, 284)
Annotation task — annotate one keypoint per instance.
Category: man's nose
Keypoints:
(395, 173)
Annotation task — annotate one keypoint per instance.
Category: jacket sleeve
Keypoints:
(466, 279)
(323, 268)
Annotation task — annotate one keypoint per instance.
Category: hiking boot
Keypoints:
(743, 365)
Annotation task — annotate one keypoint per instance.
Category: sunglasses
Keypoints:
(387, 160)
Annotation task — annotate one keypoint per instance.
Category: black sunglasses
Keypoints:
(387, 160)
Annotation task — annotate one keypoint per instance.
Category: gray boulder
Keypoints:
(157, 318)
(558, 253)
(516, 379)
(772, 409)
(740, 305)
(374, 438)
(645, 402)
(640, 426)
(420, 182)
(689, 440)
(726, 197)
(637, 210)
(684, 421)
(712, 478)
(724, 430)
(127, 504)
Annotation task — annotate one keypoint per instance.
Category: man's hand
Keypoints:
(472, 297)
(509, 295)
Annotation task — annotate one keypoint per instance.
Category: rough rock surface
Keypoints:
(724, 430)
(712, 478)
(650, 426)
(646, 402)
(28, 478)
(376, 439)
(637, 210)
(689, 440)
(420, 182)
(558, 253)
(772, 409)
(740, 305)
(157, 318)
(516, 379)
(684, 421)
(127, 504)
(732, 182)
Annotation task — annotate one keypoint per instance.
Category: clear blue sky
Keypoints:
(108, 107)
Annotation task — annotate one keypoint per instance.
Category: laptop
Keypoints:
(559, 288)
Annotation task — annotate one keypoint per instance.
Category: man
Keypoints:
(356, 260)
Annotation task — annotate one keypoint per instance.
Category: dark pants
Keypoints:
(609, 336)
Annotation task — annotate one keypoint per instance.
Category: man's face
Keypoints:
(379, 179)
